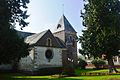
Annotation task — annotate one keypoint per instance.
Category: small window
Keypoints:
(73, 42)
(49, 42)
(58, 26)
(70, 37)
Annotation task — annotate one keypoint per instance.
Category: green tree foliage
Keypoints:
(99, 63)
(12, 48)
(82, 63)
(102, 33)
(13, 11)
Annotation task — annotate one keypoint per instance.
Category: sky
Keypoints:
(45, 14)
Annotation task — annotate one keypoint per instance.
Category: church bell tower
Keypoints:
(68, 35)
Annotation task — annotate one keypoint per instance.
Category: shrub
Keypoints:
(82, 63)
(99, 63)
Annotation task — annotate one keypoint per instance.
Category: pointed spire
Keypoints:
(64, 24)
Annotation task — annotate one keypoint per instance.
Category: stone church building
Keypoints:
(51, 50)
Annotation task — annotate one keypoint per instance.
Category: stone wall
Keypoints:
(42, 62)
(37, 59)
(72, 49)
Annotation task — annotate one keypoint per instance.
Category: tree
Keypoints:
(82, 63)
(12, 48)
(99, 63)
(102, 33)
(13, 11)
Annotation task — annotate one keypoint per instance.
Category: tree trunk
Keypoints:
(111, 65)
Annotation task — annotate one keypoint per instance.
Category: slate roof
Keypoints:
(34, 38)
(24, 34)
(61, 43)
(64, 24)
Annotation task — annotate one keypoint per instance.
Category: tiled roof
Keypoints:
(64, 24)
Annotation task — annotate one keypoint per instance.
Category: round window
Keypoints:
(49, 54)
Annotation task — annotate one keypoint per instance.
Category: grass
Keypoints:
(16, 76)
(69, 78)
(96, 77)
(78, 71)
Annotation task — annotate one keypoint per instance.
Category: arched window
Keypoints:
(70, 37)
(73, 42)
(49, 42)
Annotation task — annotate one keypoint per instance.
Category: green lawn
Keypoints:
(14, 76)
(78, 71)
(68, 78)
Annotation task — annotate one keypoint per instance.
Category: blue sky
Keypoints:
(45, 14)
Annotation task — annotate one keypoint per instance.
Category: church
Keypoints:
(51, 50)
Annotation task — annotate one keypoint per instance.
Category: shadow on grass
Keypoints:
(39, 79)
(17, 76)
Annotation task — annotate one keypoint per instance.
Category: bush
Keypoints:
(82, 63)
(99, 63)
